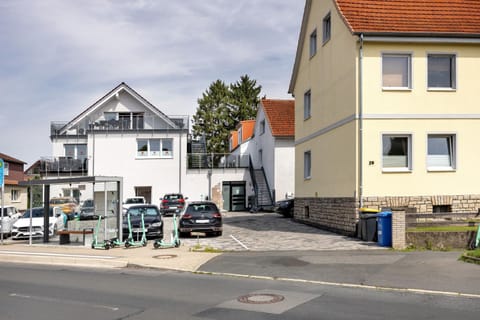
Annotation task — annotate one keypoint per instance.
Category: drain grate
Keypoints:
(260, 298)
(165, 256)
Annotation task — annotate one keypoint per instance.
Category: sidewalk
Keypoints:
(181, 259)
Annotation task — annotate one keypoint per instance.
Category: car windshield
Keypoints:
(173, 197)
(134, 200)
(87, 203)
(208, 207)
(36, 213)
(150, 211)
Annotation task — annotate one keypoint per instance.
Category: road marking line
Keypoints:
(56, 300)
(47, 254)
(239, 242)
(346, 285)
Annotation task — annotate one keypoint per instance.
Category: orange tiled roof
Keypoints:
(281, 116)
(455, 17)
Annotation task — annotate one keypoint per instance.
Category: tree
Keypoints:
(221, 108)
(211, 117)
(244, 95)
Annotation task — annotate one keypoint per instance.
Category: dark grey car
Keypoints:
(201, 216)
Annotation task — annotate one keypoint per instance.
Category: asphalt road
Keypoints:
(32, 292)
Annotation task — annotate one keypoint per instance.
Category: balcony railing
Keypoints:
(63, 166)
(216, 161)
(136, 123)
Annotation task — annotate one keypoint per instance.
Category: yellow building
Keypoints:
(388, 108)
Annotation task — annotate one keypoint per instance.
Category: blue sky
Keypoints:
(58, 57)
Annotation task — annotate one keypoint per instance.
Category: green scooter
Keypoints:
(174, 238)
(99, 244)
(130, 242)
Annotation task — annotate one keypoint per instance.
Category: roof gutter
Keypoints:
(420, 38)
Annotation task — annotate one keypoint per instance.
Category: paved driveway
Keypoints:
(267, 231)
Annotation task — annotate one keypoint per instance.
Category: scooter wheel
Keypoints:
(177, 244)
(127, 244)
(107, 246)
(144, 243)
(93, 245)
(156, 245)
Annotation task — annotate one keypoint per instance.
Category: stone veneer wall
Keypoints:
(334, 214)
(458, 203)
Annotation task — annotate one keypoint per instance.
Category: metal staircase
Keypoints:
(263, 196)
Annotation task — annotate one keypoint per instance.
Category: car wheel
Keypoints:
(183, 234)
(219, 233)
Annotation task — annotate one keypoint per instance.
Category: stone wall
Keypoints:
(458, 203)
(440, 240)
(334, 214)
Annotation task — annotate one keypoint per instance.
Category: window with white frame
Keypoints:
(441, 71)
(5, 168)
(441, 152)
(307, 105)
(396, 152)
(307, 165)
(313, 43)
(154, 148)
(14, 195)
(327, 27)
(396, 71)
(240, 136)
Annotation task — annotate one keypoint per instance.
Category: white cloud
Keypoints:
(59, 56)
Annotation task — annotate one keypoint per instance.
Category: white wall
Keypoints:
(284, 168)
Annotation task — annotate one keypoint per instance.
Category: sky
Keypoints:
(57, 57)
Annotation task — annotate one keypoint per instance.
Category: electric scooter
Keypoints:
(174, 239)
(99, 244)
(130, 242)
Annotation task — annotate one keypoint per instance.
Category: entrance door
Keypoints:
(233, 193)
(145, 192)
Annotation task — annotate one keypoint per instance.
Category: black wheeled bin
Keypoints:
(367, 225)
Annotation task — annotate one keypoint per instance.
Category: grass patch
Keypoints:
(209, 249)
(443, 229)
(471, 256)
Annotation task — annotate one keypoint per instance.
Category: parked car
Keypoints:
(200, 216)
(285, 207)
(21, 228)
(87, 210)
(132, 201)
(10, 215)
(152, 219)
(68, 204)
(172, 203)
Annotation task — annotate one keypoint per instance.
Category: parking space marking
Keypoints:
(239, 242)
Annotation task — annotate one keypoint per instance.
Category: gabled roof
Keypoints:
(281, 116)
(8, 158)
(428, 17)
(121, 87)
(400, 18)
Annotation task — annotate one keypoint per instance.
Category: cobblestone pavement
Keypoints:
(268, 231)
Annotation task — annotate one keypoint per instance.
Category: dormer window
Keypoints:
(131, 120)
(240, 136)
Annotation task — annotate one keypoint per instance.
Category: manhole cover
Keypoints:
(261, 298)
(165, 256)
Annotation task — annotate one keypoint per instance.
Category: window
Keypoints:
(327, 28)
(262, 127)
(307, 165)
(313, 43)
(260, 156)
(155, 148)
(5, 168)
(307, 105)
(240, 136)
(396, 152)
(442, 208)
(396, 71)
(131, 120)
(76, 151)
(441, 152)
(14, 195)
(441, 71)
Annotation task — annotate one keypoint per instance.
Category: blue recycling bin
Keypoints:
(384, 228)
